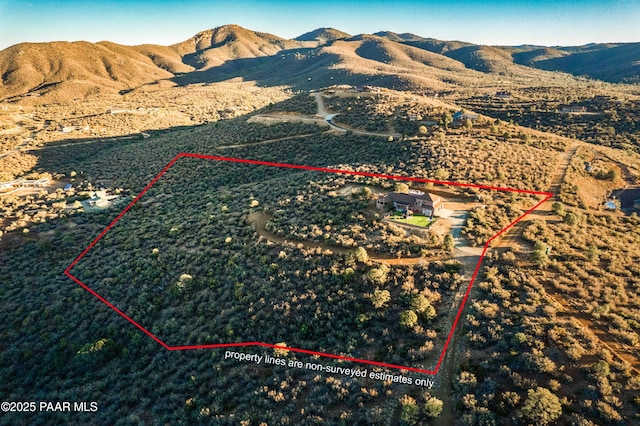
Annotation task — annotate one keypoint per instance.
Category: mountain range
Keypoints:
(62, 70)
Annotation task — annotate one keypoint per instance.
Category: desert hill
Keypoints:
(59, 71)
(532, 55)
(73, 69)
(165, 57)
(616, 63)
(485, 59)
(379, 57)
(612, 62)
(229, 42)
(389, 52)
(323, 35)
(430, 44)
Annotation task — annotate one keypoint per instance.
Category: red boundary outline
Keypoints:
(67, 271)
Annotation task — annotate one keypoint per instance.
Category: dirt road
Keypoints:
(513, 238)
(328, 116)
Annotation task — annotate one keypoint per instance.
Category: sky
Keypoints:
(493, 22)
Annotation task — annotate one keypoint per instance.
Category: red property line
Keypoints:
(67, 271)
(352, 172)
(135, 200)
(475, 274)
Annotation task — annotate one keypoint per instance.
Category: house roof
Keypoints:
(462, 115)
(410, 198)
(574, 108)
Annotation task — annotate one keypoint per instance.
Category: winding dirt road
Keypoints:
(329, 116)
(467, 255)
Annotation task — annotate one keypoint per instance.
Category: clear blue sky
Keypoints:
(512, 22)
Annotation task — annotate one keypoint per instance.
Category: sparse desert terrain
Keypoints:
(546, 318)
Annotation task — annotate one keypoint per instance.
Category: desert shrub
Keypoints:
(541, 406)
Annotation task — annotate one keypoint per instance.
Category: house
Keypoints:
(573, 108)
(503, 94)
(371, 89)
(610, 205)
(68, 187)
(602, 98)
(99, 200)
(39, 183)
(413, 202)
(460, 116)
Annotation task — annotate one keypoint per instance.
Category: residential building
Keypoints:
(573, 108)
(413, 202)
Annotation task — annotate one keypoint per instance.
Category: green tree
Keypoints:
(365, 193)
(409, 415)
(348, 274)
(571, 219)
(378, 275)
(422, 130)
(467, 124)
(429, 313)
(540, 254)
(409, 411)
(433, 407)
(361, 254)
(558, 208)
(439, 135)
(419, 303)
(380, 298)
(541, 407)
(441, 173)
(601, 368)
(98, 352)
(401, 187)
(408, 319)
(449, 242)
(446, 119)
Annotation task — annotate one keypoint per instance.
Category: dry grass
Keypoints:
(147, 109)
(16, 165)
(590, 189)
